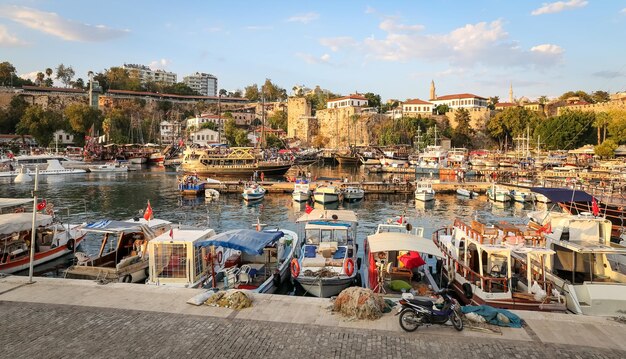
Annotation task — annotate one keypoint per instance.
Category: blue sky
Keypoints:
(393, 48)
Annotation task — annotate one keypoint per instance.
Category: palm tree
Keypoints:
(39, 79)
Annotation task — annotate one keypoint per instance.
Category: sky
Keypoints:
(391, 48)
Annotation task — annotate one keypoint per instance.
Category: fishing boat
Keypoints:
(498, 194)
(253, 192)
(350, 159)
(424, 191)
(353, 193)
(191, 185)
(522, 196)
(262, 264)
(126, 259)
(326, 262)
(52, 238)
(301, 190)
(466, 193)
(235, 161)
(326, 193)
(109, 167)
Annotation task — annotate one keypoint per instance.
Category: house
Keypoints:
(462, 100)
(204, 137)
(355, 100)
(170, 132)
(196, 123)
(61, 137)
(417, 107)
(504, 105)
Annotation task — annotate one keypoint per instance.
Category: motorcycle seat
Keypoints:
(422, 302)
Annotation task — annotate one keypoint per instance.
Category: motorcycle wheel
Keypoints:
(456, 320)
(409, 320)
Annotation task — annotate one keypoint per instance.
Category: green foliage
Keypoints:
(179, 88)
(617, 126)
(600, 96)
(11, 116)
(606, 149)
(117, 126)
(318, 99)
(492, 102)
(441, 109)
(581, 94)
(65, 74)
(209, 125)
(223, 92)
(78, 84)
(405, 130)
(373, 100)
(252, 92)
(572, 129)
(602, 121)
(463, 133)
(273, 92)
(40, 124)
(7, 72)
(272, 141)
(278, 120)
(118, 78)
(82, 117)
(241, 138)
(234, 135)
(543, 99)
(512, 122)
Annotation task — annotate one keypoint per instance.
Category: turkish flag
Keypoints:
(41, 205)
(147, 214)
(546, 228)
(172, 233)
(308, 209)
(594, 207)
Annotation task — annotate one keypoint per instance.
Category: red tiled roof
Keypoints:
(416, 101)
(52, 89)
(505, 104)
(458, 96)
(154, 94)
(351, 97)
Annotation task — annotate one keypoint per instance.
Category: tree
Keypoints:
(119, 78)
(252, 92)
(230, 132)
(543, 100)
(572, 129)
(600, 96)
(65, 74)
(441, 109)
(512, 122)
(209, 125)
(272, 141)
(48, 72)
(272, 92)
(606, 149)
(492, 102)
(223, 92)
(580, 94)
(79, 84)
(602, 121)
(373, 100)
(11, 115)
(278, 120)
(463, 132)
(7, 71)
(617, 126)
(83, 117)
(40, 123)
(40, 78)
(241, 138)
(236, 94)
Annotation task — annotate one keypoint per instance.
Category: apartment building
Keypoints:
(203, 83)
(146, 74)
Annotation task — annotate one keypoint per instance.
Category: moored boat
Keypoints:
(519, 195)
(301, 191)
(109, 167)
(235, 161)
(253, 192)
(326, 193)
(191, 185)
(353, 193)
(498, 194)
(424, 191)
(466, 193)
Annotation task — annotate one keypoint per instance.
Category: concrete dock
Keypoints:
(67, 318)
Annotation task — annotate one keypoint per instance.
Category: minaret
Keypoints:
(511, 93)
(433, 95)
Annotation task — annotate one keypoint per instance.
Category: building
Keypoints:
(61, 137)
(417, 107)
(504, 105)
(462, 100)
(202, 83)
(243, 118)
(204, 137)
(146, 74)
(354, 100)
(170, 132)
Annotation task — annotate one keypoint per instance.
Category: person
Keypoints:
(255, 175)
(262, 176)
(308, 176)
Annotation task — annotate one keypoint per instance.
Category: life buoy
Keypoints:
(467, 290)
(70, 244)
(219, 257)
(348, 267)
(295, 268)
(127, 279)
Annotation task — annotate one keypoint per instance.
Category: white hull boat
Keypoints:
(253, 192)
(109, 167)
(301, 191)
(522, 196)
(466, 193)
(424, 191)
(353, 194)
(54, 168)
(211, 194)
(498, 194)
(300, 196)
(326, 194)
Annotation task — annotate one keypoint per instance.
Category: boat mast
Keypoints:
(33, 228)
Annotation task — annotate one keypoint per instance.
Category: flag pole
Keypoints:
(33, 228)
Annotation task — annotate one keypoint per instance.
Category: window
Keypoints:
(61, 137)
(67, 137)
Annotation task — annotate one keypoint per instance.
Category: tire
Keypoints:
(467, 290)
(127, 279)
(409, 320)
(456, 320)
(70, 244)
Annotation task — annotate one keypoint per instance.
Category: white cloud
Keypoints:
(337, 43)
(547, 49)
(390, 25)
(608, 74)
(304, 18)
(159, 64)
(53, 24)
(30, 75)
(7, 39)
(312, 59)
(554, 7)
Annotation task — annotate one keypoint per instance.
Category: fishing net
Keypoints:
(322, 273)
(360, 303)
(235, 300)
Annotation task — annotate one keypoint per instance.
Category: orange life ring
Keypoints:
(348, 267)
(295, 268)
(219, 257)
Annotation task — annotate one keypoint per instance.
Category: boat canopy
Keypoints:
(328, 215)
(110, 226)
(245, 240)
(393, 241)
(18, 222)
(563, 194)
(11, 202)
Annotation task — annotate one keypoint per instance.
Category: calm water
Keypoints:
(94, 196)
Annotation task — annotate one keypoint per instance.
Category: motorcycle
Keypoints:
(416, 312)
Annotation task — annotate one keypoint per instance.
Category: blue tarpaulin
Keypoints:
(563, 194)
(491, 315)
(326, 223)
(245, 240)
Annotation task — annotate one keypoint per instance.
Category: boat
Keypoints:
(54, 168)
(327, 256)
(519, 195)
(156, 158)
(301, 191)
(109, 167)
(235, 161)
(466, 193)
(30, 161)
(22, 176)
(368, 158)
(126, 259)
(498, 194)
(52, 238)
(542, 198)
(191, 185)
(424, 191)
(353, 193)
(253, 192)
(480, 265)
(347, 159)
(326, 193)
(263, 263)
(432, 160)
(211, 194)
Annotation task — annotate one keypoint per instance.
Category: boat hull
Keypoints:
(424, 196)
(326, 197)
(325, 287)
(40, 258)
(242, 171)
(347, 160)
(300, 196)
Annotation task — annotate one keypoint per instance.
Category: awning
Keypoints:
(110, 226)
(389, 241)
(563, 194)
(328, 215)
(11, 202)
(17, 222)
(245, 240)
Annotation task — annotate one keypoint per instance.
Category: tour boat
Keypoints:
(156, 158)
(498, 194)
(52, 239)
(424, 191)
(301, 190)
(353, 193)
(327, 261)
(253, 192)
(109, 167)
(522, 196)
(191, 185)
(236, 161)
(350, 159)
(123, 255)
(326, 193)
(466, 193)
(54, 168)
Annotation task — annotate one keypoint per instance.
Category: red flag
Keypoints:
(10, 155)
(172, 233)
(594, 207)
(308, 209)
(401, 220)
(41, 205)
(546, 228)
(147, 214)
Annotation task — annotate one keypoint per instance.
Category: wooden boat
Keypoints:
(328, 252)
(466, 193)
(347, 159)
(301, 191)
(424, 191)
(326, 193)
(253, 192)
(235, 161)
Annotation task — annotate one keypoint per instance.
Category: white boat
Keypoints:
(424, 191)
(328, 254)
(22, 176)
(522, 196)
(542, 198)
(253, 192)
(466, 193)
(54, 168)
(301, 190)
(326, 193)
(30, 161)
(211, 194)
(52, 239)
(109, 167)
(126, 259)
(498, 194)
(353, 193)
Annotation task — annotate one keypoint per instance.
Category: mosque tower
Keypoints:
(511, 93)
(433, 95)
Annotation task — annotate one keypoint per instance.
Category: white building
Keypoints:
(347, 101)
(195, 123)
(61, 137)
(463, 100)
(204, 137)
(146, 74)
(417, 107)
(204, 84)
(170, 132)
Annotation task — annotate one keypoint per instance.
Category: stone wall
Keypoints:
(343, 128)
(47, 100)
(596, 107)
(478, 117)
(298, 118)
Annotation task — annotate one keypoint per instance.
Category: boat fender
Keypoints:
(357, 280)
(348, 267)
(219, 257)
(276, 279)
(467, 290)
(127, 278)
(358, 263)
(295, 268)
(146, 272)
(70, 244)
